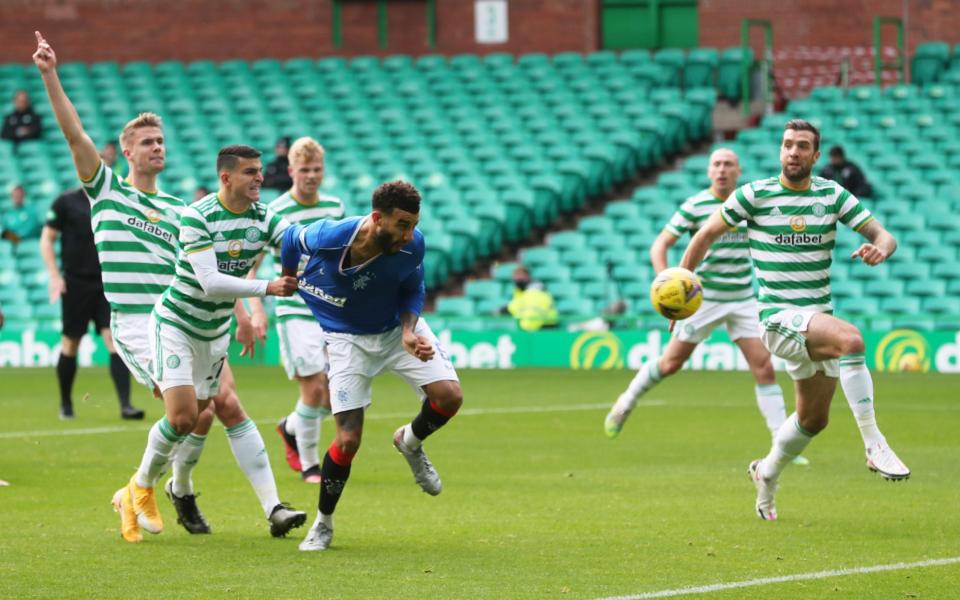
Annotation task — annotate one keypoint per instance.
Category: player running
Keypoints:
(728, 300)
(302, 348)
(364, 283)
(792, 222)
(136, 229)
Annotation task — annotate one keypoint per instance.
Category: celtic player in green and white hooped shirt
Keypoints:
(220, 238)
(728, 301)
(791, 223)
(302, 348)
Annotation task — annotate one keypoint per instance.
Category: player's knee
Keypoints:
(69, 346)
(449, 396)
(669, 366)
(204, 421)
(348, 443)
(764, 372)
(814, 423)
(183, 423)
(852, 342)
(228, 409)
(317, 392)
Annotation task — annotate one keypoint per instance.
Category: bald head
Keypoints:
(723, 171)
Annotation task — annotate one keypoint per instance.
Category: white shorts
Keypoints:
(356, 359)
(741, 319)
(130, 337)
(179, 359)
(302, 349)
(782, 334)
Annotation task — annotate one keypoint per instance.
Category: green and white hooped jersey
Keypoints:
(136, 236)
(792, 235)
(725, 272)
(237, 239)
(288, 207)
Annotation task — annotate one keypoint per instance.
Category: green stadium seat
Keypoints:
(929, 60)
(946, 271)
(503, 272)
(550, 274)
(899, 306)
(576, 307)
(449, 306)
(941, 306)
(479, 289)
(925, 288)
(729, 72)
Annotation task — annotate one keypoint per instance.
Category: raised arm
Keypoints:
(701, 242)
(84, 152)
(881, 244)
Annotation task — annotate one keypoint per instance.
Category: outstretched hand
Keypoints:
(45, 58)
(870, 254)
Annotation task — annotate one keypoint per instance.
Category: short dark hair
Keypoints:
(801, 125)
(837, 151)
(229, 156)
(396, 194)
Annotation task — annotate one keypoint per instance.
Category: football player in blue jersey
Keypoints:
(363, 281)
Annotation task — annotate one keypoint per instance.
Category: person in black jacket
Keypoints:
(846, 173)
(23, 123)
(276, 175)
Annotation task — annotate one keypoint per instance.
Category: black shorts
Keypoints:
(84, 302)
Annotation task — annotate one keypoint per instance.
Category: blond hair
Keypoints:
(305, 149)
(145, 119)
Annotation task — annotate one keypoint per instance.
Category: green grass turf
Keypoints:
(536, 504)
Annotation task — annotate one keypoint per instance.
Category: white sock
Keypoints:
(772, 407)
(161, 442)
(306, 427)
(409, 440)
(788, 443)
(646, 378)
(184, 461)
(251, 455)
(325, 519)
(858, 388)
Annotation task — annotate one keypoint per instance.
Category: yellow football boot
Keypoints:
(145, 506)
(129, 529)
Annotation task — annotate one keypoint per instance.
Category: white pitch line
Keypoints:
(719, 587)
(469, 412)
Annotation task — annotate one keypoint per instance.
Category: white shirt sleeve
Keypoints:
(220, 285)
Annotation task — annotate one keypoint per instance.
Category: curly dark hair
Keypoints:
(396, 194)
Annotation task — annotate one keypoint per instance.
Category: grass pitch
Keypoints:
(536, 502)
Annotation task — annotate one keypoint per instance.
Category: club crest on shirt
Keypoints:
(360, 281)
(252, 234)
(819, 209)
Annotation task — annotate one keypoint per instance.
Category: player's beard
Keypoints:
(386, 243)
(800, 175)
